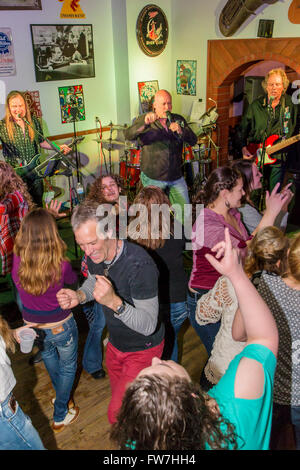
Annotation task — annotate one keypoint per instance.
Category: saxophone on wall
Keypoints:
(236, 12)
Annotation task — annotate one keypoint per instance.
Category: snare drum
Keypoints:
(130, 174)
(133, 157)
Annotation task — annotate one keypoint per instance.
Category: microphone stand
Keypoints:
(74, 112)
(261, 167)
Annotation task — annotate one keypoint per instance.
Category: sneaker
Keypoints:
(71, 403)
(70, 418)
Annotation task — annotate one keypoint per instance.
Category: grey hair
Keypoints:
(92, 210)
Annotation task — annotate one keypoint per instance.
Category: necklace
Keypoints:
(108, 266)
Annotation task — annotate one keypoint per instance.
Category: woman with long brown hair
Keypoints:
(40, 270)
(221, 198)
(15, 201)
(156, 231)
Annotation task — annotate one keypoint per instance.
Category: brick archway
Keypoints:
(226, 62)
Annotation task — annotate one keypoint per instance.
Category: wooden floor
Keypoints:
(91, 431)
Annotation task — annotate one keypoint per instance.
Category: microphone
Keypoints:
(271, 99)
(169, 118)
(270, 108)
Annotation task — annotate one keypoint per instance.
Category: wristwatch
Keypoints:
(121, 308)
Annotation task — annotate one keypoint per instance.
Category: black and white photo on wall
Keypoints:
(20, 5)
(63, 52)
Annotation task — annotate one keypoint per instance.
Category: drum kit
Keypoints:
(129, 165)
(199, 156)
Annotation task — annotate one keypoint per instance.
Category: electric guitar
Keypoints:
(294, 12)
(270, 148)
(31, 170)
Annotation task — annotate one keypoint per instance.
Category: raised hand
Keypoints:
(276, 201)
(54, 208)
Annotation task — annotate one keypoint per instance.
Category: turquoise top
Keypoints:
(252, 418)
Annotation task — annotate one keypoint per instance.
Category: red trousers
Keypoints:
(123, 367)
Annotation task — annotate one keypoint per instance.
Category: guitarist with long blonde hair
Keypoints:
(269, 118)
(22, 138)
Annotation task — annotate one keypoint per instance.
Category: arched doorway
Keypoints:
(227, 60)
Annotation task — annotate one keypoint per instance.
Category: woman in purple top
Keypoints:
(40, 269)
(221, 197)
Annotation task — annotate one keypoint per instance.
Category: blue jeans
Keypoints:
(177, 193)
(206, 333)
(16, 429)
(92, 354)
(173, 315)
(59, 353)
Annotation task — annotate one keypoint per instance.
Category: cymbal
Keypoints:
(115, 127)
(109, 141)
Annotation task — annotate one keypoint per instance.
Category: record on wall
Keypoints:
(152, 30)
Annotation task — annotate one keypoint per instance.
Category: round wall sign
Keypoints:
(152, 30)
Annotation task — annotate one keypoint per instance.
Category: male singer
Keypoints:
(271, 114)
(161, 135)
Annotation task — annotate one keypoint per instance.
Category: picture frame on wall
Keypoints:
(186, 77)
(71, 103)
(147, 91)
(20, 5)
(62, 51)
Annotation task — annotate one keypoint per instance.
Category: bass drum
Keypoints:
(130, 174)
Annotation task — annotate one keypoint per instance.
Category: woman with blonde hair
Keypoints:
(40, 270)
(282, 294)
(16, 429)
(267, 252)
(21, 141)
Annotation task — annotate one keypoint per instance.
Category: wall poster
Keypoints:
(7, 56)
(71, 103)
(186, 77)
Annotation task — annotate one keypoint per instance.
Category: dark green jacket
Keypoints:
(161, 154)
(22, 149)
(255, 126)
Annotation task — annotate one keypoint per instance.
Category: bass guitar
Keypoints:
(270, 148)
(31, 170)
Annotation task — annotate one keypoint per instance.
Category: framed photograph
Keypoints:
(186, 77)
(20, 5)
(62, 52)
(71, 103)
(147, 91)
(265, 28)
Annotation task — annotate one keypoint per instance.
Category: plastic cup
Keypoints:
(27, 337)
